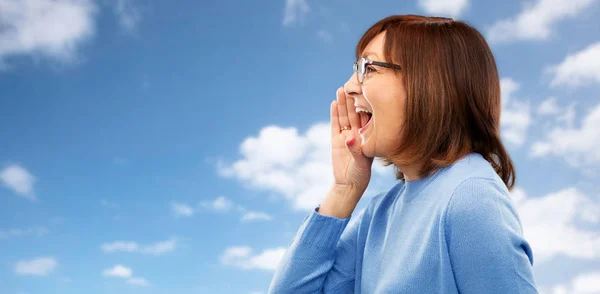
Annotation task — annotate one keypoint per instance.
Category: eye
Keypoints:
(369, 68)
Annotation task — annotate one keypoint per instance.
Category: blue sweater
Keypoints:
(456, 231)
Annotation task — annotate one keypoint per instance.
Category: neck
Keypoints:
(411, 172)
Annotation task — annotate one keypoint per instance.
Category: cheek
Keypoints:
(389, 116)
(391, 119)
(388, 126)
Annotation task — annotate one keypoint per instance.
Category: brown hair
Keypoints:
(453, 93)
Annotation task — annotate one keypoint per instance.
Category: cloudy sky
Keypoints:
(175, 147)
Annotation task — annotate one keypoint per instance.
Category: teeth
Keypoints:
(360, 109)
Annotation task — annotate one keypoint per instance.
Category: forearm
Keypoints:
(310, 257)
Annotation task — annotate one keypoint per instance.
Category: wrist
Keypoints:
(346, 191)
(340, 201)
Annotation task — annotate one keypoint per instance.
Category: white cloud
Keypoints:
(548, 107)
(325, 36)
(123, 272)
(586, 283)
(568, 116)
(279, 159)
(128, 13)
(118, 271)
(583, 284)
(158, 248)
(36, 231)
(50, 28)
(516, 117)
(578, 69)
(36, 267)
(233, 253)
(294, 10)
(242, 257)
(549, 224)
(451, 8)
(138, 282)
(563, 116)
(508, 86)
(515, 123)
(120, 246)
(536, 20)
(219, 204)
(18, 179)
(182, 209)
(253, 215)
(579, 146)
(298, 167)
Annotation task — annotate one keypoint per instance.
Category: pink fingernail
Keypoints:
(350, 142)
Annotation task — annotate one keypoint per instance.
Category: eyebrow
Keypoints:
(367, 54)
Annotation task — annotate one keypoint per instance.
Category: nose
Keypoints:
(352, 87)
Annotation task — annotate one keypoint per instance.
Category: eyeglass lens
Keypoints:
(359, 68)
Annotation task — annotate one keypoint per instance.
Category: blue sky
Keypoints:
(176, 147)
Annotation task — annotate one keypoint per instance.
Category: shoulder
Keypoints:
(478, 207)
(474, 192)
(472, 169)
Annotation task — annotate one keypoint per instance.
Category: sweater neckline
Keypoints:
(413, 188)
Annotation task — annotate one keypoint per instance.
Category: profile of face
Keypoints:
(383, 94)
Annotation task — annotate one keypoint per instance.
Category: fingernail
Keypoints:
(350, 142)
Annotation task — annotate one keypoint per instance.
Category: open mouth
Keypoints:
(365, 117)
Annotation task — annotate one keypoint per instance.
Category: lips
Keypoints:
(363, 107)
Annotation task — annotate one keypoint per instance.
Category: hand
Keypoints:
(351, 168)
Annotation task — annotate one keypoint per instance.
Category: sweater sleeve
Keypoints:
(487, 250)
(320, 259)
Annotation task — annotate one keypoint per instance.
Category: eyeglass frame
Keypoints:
(361, 75)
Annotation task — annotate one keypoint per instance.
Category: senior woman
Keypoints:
(425, 98)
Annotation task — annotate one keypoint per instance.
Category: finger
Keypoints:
(342, 108)
(353, 145)
(353, 117)
(334, 120)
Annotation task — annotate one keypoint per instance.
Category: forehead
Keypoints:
(374, 49)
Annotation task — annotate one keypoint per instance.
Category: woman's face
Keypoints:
(383, 94)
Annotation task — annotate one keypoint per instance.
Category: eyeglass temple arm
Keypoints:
(384, 64)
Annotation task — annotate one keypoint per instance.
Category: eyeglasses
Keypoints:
(361, 66)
